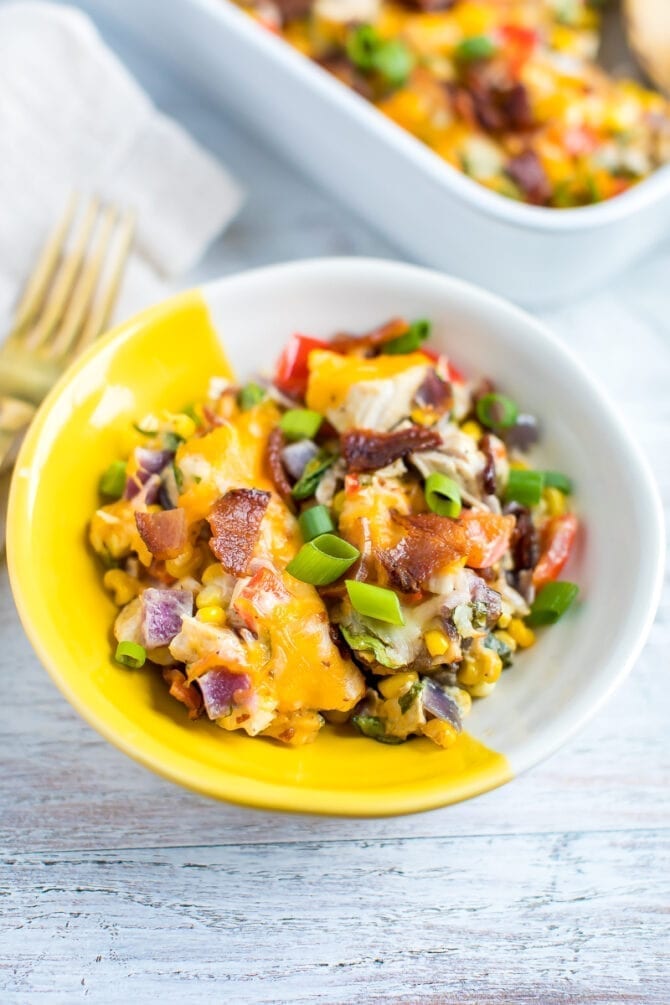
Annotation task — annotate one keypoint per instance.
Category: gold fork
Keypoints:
(65, 305)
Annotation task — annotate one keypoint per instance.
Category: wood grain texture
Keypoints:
(116, 886)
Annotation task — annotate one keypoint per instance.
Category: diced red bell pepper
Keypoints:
(453, 373)
(558, 536)
(488, 537)
(292, 373)
(518, 44)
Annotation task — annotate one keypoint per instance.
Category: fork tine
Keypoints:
(84, 286)
(38, 282)
(102, 308)
(64, 281)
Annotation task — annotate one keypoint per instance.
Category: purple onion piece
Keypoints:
(152, 461)
(168, 495)
(296, 456)
(440, 704)
(162, 613)
(135, 483)
(148, 494)
(220, 689)
(523, 434)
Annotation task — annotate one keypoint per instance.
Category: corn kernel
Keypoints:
(519, 465)
(468, 673)
(506, 639)
(521, 633)
(423, 417)
(490, 665)
(209, 596)
(504, 620)
(212, 615)
(185, 564)
(554, 501)
(472, 429)
(441, 733)
(184, 426)
(482, 690)
(211, 573)
(393, 686)
(338, 502)
(437, 642)
(123, 586)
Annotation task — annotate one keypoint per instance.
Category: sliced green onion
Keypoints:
(410, 340)
(501, 648)
(474, 48)
(496, 411)
(312, 475)
(393, 61)
(178, 477)
(250, 395)
(300, 424)
(113, 481)
(443, 495)
(375, 602)
(192, 414)
(144, 432)
(374, 728)
(524, 487)
(557, 480)
(315, 521)
(323, 560)
(362, 44)
(130, 654)
(172, 440)
(551, 603)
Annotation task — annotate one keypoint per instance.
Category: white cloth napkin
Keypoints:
(72, 118)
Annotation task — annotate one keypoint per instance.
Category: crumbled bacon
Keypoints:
(434, 393)
(430, 542)
(429, 5)
(165, 533)
(344, 342)
(344, 70)
(275, 446)
(291, 10)
(489, 470)
(235, 523)
(187, 694)
(365, 450)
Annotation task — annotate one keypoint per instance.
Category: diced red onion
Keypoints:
(221, 690)
(152, 461)
(168, 495)
(523, 434)
(162, 613)
(296, 456)
(439, 704)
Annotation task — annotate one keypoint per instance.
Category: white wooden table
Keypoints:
(119, 887)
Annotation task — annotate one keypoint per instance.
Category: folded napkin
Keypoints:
(72, 118)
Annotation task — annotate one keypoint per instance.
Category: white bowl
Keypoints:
(533, 255)
(556, 686)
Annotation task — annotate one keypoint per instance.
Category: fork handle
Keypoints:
(15, 417)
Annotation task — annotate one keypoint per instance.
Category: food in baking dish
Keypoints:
(360, 539)
(507, 91)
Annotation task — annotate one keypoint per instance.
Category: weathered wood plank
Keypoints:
(547, 918)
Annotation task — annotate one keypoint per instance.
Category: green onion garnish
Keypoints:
(551, 603)
(144, 432)
(323, 560)
(250, 395)
(476, 47)
(374, 728)
(300, 424)
(171, 441)
(410, 341)
(375, 602)
(362, 44)
(130, 654)
(113, 481)
(315, 521)
(312, 475)
(557, 480)
(443, 495)
(524, 487)
(393, 61)
(496, 411)
(192, 414)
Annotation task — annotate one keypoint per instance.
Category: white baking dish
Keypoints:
(437, 215)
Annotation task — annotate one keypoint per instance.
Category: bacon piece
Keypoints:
(276, 443)
(434, 393)
(235, 522)
(430, 542)
(344, 342)
(429, 6)
(365, 450)
(165, 534)
(186, 693)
